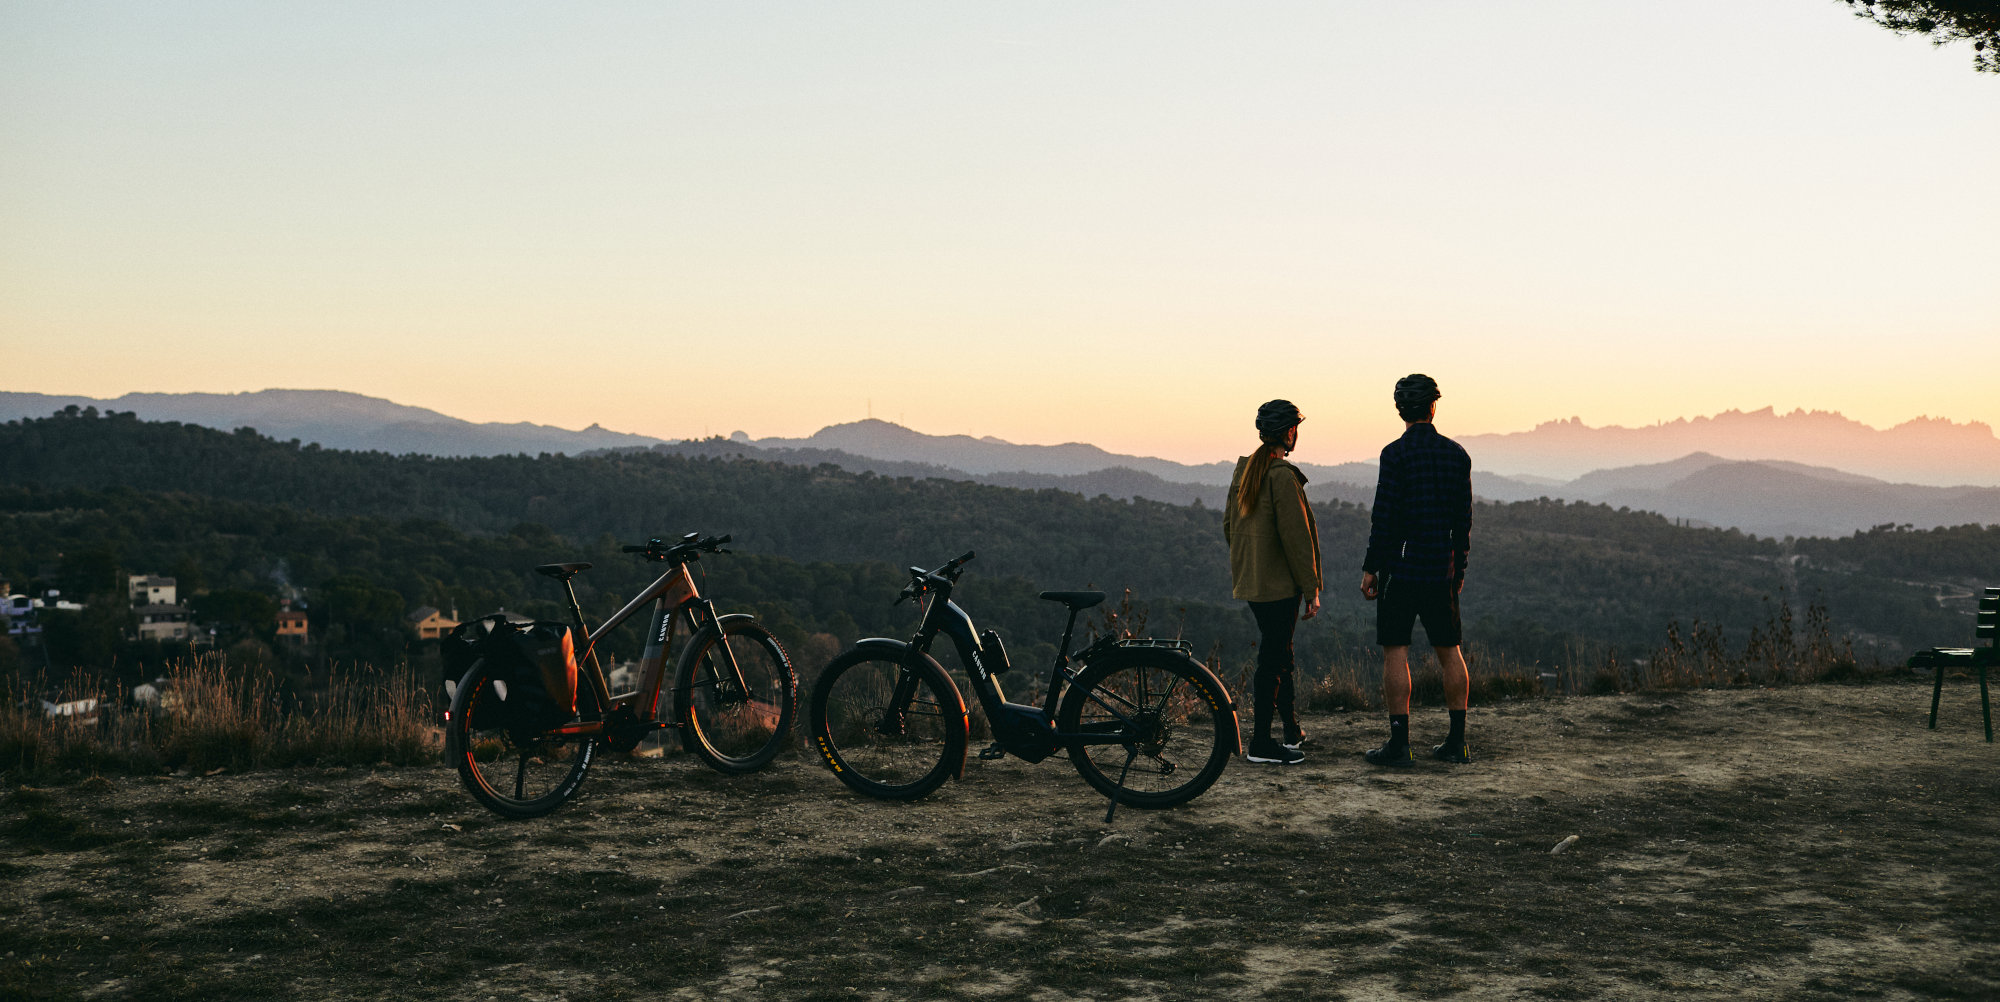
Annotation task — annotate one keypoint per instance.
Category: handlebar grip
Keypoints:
(634, 549)
(964, 558)
(724, 538)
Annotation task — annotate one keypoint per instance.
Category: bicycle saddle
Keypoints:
(562, 572)
(1073, 599)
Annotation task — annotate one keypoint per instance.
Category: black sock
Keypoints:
(1457, 735)
(1399, 729)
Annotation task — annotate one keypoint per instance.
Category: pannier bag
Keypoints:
(551, 652)
(457, 651)
(536, 661)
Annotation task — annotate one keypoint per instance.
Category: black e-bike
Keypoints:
(1141, 720)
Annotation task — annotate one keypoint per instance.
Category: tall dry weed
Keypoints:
(213, 714)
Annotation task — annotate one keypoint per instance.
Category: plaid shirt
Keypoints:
(1421, 526)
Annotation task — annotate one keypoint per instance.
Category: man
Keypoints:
(1417, 547)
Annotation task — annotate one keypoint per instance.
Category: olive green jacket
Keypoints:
(1274, 550)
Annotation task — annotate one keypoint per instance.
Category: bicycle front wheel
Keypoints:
(1167, 724)
(514, 774)
(735, 718)
(886, 728)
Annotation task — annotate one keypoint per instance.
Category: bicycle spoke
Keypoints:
(1108, 708)
(1168, 744)
(521, 775)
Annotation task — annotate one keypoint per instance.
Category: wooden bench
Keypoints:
(1987, 628)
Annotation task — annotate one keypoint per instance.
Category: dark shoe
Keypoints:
(1270, 752)
(1392, 755)
(1448, 752)
(1296, 740)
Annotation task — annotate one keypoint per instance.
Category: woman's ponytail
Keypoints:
(1253, 475)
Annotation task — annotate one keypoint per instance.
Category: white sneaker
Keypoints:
(1268, 752)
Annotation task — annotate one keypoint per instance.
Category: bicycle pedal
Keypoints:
(991, 752)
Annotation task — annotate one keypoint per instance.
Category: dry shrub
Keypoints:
(1336, 687)
(1778, 652)
(214, 719)
(364, 717)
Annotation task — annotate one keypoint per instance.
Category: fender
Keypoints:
(1229, 698)
(898, 651)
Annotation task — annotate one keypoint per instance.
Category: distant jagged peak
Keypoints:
(1767, 416)
(1925, 423)
(1925, 450)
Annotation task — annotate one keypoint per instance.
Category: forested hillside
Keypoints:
(819, 546)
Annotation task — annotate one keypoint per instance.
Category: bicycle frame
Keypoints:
(673, 594)
(945, 616)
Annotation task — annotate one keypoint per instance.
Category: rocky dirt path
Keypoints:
(1799, 843)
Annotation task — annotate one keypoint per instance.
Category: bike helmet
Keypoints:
(1276, 416)
(1414, 395)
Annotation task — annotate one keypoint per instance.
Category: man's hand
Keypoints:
(1312, 606)
(1369, 590)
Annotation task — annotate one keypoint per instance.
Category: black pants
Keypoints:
(1272, 685)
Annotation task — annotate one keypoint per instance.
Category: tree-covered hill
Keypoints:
(1548, 579)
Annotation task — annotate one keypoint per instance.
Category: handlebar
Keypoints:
(689, 546)
(945, 574)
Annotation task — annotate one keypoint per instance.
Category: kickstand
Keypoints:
(1130, 754)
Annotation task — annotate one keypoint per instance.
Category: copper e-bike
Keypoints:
(734, 694)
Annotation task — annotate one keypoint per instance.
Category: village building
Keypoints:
(431, 624)
(151, 589)
(291, 623)
(163, 622)
(17, 614)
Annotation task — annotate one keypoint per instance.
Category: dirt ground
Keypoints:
(1796, 843)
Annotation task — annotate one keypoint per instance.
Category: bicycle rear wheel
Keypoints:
(1172, 718)
(514, 775)
(887, 729)
(736, 728)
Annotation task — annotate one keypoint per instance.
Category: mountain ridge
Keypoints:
(1792, 496)
(336, 419)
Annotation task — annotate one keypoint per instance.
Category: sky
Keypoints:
(1121, 223)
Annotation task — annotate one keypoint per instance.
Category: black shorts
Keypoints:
(1402, 603)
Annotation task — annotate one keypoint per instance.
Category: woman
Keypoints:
(1273, 565)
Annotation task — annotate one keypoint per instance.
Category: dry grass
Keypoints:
(216, 715)
(221, 715)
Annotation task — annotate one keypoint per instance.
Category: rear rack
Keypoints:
(1108, 643)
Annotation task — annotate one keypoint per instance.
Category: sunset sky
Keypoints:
(1122, 223)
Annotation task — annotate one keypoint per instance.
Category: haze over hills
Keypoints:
(1735, 484)
(1924, 450)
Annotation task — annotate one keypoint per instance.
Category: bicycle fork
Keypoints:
(732, 673)
(895, 716)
